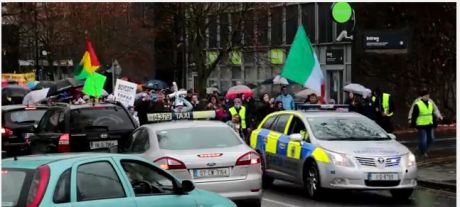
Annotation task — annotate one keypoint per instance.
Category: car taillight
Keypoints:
(38, 187)
(64, 143)
(169, 163)
(249, 158)
(6, 132)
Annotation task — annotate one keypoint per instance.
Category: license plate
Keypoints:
(103, 144)
(383, 176)
(207, 173)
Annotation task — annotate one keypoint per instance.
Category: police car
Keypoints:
(325, 147)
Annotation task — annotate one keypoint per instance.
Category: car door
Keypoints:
(162, 190)
(276, 143)
(139, 142)
(98, 183)
(294, 148)
(49, 129)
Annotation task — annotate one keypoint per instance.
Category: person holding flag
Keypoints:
(302, 65)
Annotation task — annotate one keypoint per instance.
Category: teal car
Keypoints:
(97, 179)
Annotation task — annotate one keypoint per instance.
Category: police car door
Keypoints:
(276, 146)
(293, 157)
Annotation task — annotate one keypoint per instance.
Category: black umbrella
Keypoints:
(14, 91)
(60, 85)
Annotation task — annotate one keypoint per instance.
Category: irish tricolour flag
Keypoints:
(302, 65)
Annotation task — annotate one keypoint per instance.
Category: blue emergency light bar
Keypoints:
(323, 107)
(196, 115)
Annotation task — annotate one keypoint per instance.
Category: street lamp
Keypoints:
(40, 73)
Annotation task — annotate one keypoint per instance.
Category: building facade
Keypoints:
(266, 42)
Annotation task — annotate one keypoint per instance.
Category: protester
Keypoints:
(182, 105)
(267, 107)
(221, 113)
(312, 99)
(213, 101)
(236, 125)
(286, 99)
(195, 101)
(251, 110)
(160, 105)
(278, 106)
(423, 119)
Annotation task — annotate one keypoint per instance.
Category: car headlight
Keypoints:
(411, 160)
(340, 159)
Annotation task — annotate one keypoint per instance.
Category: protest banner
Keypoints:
(125, 92)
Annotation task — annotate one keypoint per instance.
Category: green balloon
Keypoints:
(341, 12)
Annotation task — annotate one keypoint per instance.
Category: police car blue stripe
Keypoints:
(260, 139)
(307, 149)
(282, 145)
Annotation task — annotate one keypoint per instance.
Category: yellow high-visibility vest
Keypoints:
(425, 116)
(242, 115)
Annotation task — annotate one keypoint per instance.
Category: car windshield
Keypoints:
(197, 138)
(110, 118)
(26, 116)
(346, 128)
(12, 186)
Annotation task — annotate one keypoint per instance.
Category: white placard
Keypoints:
(125, 92)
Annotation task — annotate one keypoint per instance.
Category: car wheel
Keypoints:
(401, 194)
(312, 181)
(267, 181)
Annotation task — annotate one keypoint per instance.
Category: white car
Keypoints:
(333, 150)
(209, 153)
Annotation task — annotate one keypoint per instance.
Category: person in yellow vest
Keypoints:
(423, 118)
(239, 109)
(384, 109)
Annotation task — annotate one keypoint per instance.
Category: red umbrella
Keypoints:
(234, 91)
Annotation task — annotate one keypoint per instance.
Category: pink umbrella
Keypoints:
(234, 91)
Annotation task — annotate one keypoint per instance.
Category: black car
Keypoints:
(17, 121)
(83, 128)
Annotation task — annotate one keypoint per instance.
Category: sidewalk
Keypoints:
(438, 173)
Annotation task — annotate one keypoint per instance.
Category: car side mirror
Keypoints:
(392, 136)
(186, 186)
(295, 137)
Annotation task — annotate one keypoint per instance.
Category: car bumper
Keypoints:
(337, 177)
(242, 188)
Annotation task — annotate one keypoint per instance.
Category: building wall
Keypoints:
(276, 31)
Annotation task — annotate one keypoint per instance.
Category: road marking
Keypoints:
(434, 140)
(279, 203)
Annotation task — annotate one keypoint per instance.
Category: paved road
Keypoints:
(284, 194)
(441, 147)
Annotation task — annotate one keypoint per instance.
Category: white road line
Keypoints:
(279, 203)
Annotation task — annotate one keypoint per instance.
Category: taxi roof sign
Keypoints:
(323, 107)
(171, 116)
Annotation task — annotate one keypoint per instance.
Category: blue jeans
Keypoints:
(425, 138)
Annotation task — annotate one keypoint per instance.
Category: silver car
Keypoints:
(209, 153)
(334, 150)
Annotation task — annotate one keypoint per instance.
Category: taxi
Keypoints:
(326, 147)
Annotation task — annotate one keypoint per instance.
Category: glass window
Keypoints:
(238, 37)
(114, 118)
(236, 72)
(249, 29)
(62, 191)
(225, 73)
(13, 181)
(269, 122)
(98, 180)
(250, 73)
(197, 138)
(291, 22)
(281, 123)
(52, 121)
(296, 126)
(308, 20)
(212, 29)
(224, 31)
(26, 116)
(141, 173)
(325, 22)
(141, 141)
(248, 57)
(262, 29)
(346, 128)
(276, 26)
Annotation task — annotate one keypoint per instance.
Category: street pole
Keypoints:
(40, 71)
(113, 77)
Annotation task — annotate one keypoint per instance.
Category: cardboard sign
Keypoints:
(125, 92)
